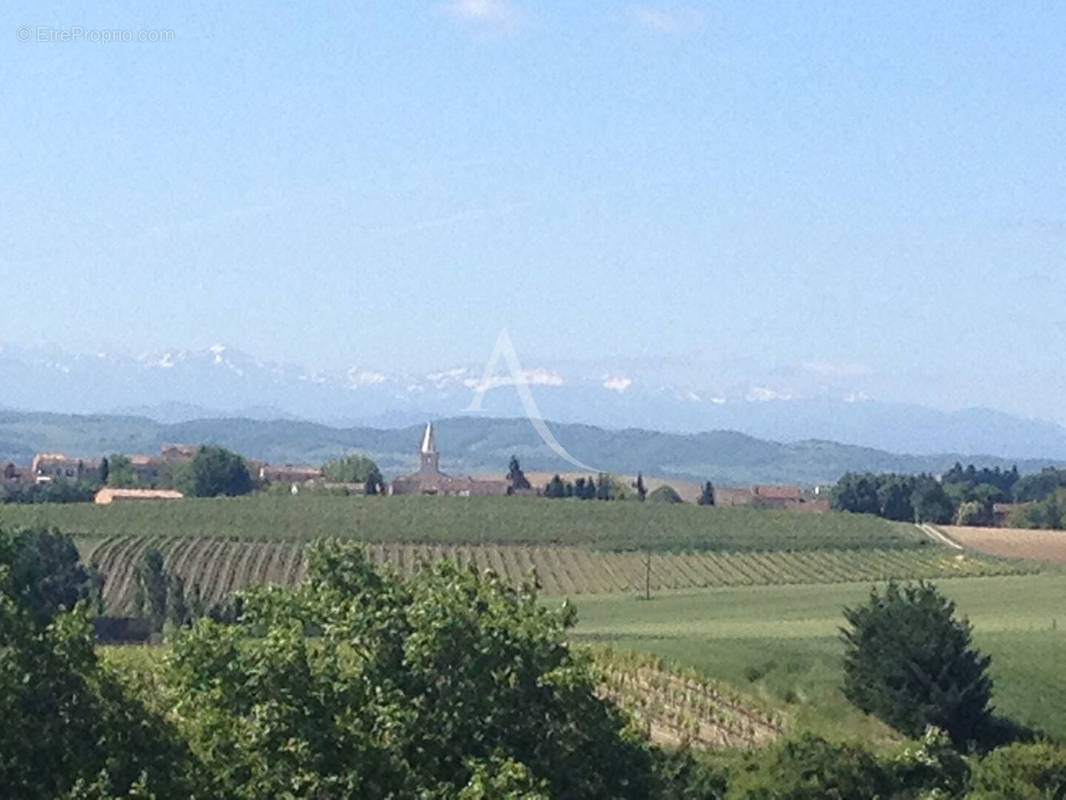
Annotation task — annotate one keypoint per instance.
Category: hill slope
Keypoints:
(477, 445)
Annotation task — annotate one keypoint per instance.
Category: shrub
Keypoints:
(1021, 771)
(665, 494)
(910, 662)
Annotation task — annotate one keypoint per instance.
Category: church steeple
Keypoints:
(430, 458)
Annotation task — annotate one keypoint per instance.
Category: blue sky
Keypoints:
(872, 190)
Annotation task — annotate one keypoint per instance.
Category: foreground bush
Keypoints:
(431, 686)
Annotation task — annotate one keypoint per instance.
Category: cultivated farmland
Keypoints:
(220, 566)
(1037, 545)
(681, 707)
(475, 520)
(781, 643)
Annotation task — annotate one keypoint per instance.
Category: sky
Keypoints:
(871, 191)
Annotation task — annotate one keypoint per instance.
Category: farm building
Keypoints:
(10, 473)
(430, 480)
(178, 453)
(109, 495)
(56, 466)
(287, 473)
(790, 498)
(1001, 514)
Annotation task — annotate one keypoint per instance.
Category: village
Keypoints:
(151, 478)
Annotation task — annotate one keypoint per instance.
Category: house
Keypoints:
(178, 453)
(790, 498)
(109, 495)
(732, 496)
(56, 466)
(430, 480)
(146, 468)
(1001, 514)
(287, 473)
(771, 491)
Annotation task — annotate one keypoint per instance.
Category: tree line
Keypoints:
(963, 495)
(607, 486)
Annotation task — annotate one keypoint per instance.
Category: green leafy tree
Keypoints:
(44, 574)
(160, 595)
(120, 471)
(449, 683)
(894, 496)
(1049, 513)
(857, 494)
(71, 728)
(809, 768)
(354, 468)
(1040, 485)
(515, 477)
(215, 471)
(1034, 771)
(152, 588)
(910, 662)
(931, 503)
(178, 610)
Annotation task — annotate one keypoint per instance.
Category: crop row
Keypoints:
(679, 706)
(218, 566)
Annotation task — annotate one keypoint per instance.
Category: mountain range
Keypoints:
(184, 385)
(473, 445)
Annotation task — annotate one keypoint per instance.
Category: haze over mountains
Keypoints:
(180, 386)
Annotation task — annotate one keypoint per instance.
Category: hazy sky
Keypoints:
(873, 188)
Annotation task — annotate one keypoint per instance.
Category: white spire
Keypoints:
(429, 440)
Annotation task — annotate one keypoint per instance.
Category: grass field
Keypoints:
(474, 520)
(220, 566)
(780, 642)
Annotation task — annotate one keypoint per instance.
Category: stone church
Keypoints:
(430, 480)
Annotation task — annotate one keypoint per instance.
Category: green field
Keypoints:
(781, 642)
(474, 520)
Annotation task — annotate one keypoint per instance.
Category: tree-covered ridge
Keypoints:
(472, 445)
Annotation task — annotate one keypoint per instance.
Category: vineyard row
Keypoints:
(220, 566)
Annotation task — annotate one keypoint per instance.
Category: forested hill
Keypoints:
(477, 445)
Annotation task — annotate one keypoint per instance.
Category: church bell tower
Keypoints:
(430, 458)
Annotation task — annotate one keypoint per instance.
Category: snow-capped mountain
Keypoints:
(179, 385)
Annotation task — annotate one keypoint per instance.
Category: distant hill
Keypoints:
(479, 445)
(188, 385)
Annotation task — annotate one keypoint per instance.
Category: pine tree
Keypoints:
(374, 481)
(707, 494)
(516, 477)
(555, 487)
(908, 661)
